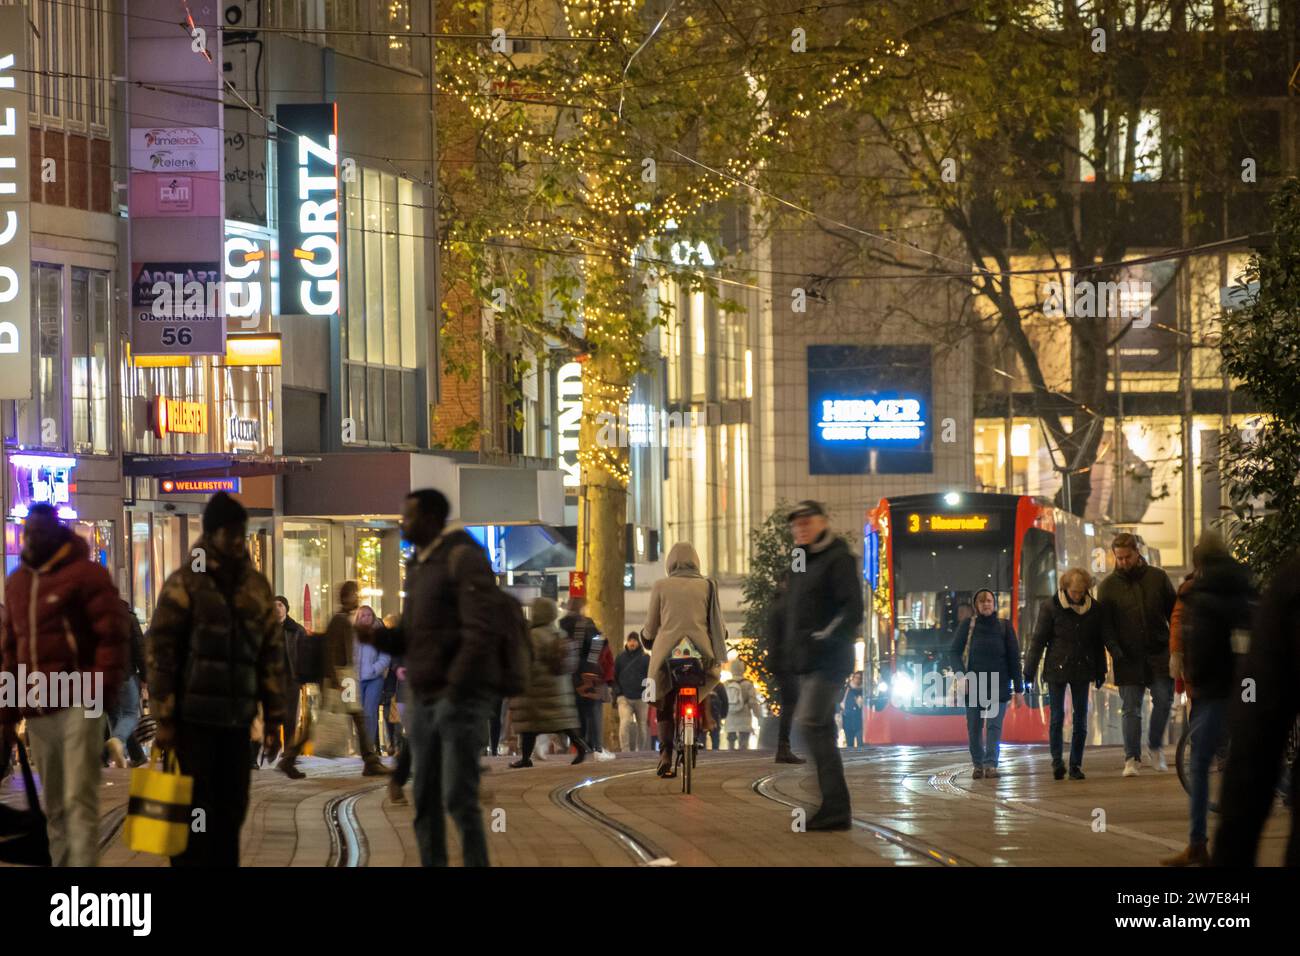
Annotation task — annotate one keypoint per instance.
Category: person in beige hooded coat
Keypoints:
(682, 605)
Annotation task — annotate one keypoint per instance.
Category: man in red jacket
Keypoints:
(65, 643)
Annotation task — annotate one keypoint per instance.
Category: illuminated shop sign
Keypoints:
(15, 208)
(308, 161)
(198, 486)
(918, 524)
(869, 410)
(247, 267)
(243, 431)
(43, 479)
(186, 418)
(568, 382)
(878, 419)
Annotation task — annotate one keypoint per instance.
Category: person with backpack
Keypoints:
(987, 655)
(743, 707)
(548, 704)
(630, 672)
(463, 643)
(1219, 605)
(592, 679)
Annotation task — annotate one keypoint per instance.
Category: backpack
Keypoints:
(735, 696)
(514, 648)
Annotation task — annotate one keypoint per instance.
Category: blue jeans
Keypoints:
(446, 740)
(1079, 732)
(126, 715)
(371, 692)
(985, 734)
(1162, 699)
(1207, 720)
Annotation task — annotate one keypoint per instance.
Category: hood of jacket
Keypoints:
(73, 548)
(683, 560)
(1223, 575)
(542, 612)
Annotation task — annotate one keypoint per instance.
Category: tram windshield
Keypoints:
(935, 584)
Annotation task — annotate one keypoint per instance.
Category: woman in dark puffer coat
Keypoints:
(548, 705)
(1070, 633)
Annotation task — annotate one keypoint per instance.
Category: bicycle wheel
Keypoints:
(688, 757)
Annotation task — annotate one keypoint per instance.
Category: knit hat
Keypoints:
(974, 601)
(223, 511)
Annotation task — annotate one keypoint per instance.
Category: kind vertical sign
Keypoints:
(15, 209)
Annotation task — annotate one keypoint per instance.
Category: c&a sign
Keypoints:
(15, 209)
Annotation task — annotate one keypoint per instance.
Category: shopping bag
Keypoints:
(23, 838)
(158, 812)
(331, 734)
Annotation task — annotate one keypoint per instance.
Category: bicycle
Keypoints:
(1182, 760)
(686, 677)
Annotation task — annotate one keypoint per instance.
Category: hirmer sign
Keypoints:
(15, 209)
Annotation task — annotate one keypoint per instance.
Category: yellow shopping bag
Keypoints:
(158, 814)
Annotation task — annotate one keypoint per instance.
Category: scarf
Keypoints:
(1081, 608)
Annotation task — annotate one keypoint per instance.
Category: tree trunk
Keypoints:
(602, 508)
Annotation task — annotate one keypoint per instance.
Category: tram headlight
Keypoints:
(901, 689)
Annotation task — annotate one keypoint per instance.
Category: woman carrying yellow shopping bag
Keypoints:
(158, 814)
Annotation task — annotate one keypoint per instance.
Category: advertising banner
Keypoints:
(307, 159)
(176, 308)
(15, 209)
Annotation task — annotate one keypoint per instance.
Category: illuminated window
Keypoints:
(1144, 165)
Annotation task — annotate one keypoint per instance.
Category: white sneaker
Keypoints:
(1131, 767)
(603, 755)
(1158, 762)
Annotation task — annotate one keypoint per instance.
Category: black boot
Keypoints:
(1077, 774)
(1058, 769)
(666, 768)
(785, 755)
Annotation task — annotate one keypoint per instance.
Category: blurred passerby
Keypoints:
(1176, 629)
(297, 674)
(684, 617)
(341, 651)
(64, 618)
(402, 771)
(630, 670)
(1071, 632)
(450, 644)
(216, 653)
(593, 677)
(388, 702)
(1137, 601)
(987, 653)
(718, 711)
(548, 704)
(126, 714)
(372, 670)
(743, 707)
(1219, 603)
(785, 682)
(821, 613)
(851, 708)
(1260, 726)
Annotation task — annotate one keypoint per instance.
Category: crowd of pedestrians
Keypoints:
(223, 660)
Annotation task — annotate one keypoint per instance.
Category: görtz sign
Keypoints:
(15, 209)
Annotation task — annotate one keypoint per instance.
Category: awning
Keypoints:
(213, 466)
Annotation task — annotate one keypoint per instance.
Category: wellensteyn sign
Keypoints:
(15, 209)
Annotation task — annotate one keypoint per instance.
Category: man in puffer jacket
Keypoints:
(215, 651)
(65, 621)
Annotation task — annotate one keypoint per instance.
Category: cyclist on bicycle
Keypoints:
(684, 618)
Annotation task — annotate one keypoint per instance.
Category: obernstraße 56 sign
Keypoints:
(176, 308)
(15, 209)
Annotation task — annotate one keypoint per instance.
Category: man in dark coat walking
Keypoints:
(1138, 601)
(821, 613)
(215, 652)
(300, 669)
(451, 646)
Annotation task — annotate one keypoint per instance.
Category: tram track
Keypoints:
(348, 844)
(640, 847)
(766, 787)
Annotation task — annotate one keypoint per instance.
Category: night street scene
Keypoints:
(831, 441)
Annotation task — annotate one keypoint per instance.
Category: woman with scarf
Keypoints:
(684, 617)
(987, 653)
(1070, 632)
